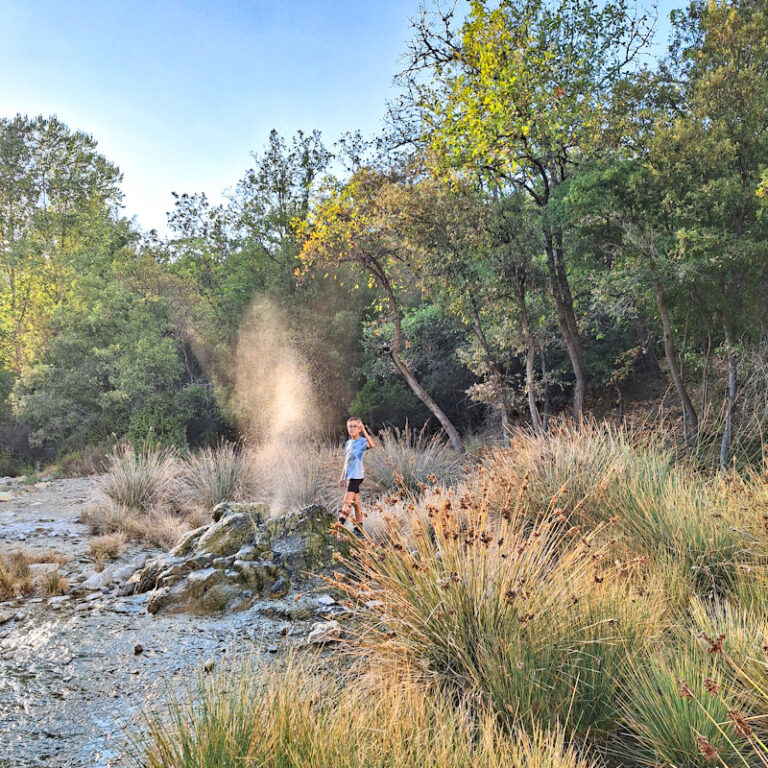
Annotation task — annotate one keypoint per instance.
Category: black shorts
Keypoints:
(353, 484)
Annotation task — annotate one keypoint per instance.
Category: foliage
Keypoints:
(251, 714)
(408, 459)
(212, 475)
(523, 616)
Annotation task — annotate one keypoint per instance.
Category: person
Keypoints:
(353, 472)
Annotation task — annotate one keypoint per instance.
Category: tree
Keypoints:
(358, 223)
(520, 94)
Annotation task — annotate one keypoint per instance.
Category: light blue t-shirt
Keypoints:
(353, 458)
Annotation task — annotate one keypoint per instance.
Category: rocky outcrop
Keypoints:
(242, 557)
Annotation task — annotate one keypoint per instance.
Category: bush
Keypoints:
(295, 719)
(409, 458)
(520, 614)
(143, 480)
(212, 475)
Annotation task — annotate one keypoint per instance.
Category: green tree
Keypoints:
(521, 94)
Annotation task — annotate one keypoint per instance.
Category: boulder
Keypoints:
(242, 556)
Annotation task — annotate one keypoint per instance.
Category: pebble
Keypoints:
(272, 649)
(138, 649)
(209, 665)
(326, 600)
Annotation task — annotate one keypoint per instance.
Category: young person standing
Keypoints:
(353, 472)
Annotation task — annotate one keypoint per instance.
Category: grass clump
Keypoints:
(107, 546)
(15, 576)
(293, 718)
(212, 475)
(674, 707)
(523, 614)
(410, 458)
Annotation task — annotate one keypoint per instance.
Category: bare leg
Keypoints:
(358, 508)
(349, 501)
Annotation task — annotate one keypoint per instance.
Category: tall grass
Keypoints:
(662, 508)
(297, 475)
(212, 475)
(410, 458)
(142, 479)
(522, 613)
(674, 705)
(293, 718)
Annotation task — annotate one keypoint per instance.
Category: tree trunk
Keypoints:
(545, 384)
(692, 421)
(496, 375)
(530, 357)
(566, 317)
(725, 445)
(404, 370)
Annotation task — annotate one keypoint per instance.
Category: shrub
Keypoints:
(521, 614)
(212, 475)
(295, 719)
(142, 480)
(409, 458)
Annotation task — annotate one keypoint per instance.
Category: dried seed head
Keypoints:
(740, 724)
(711, 685)
(706, 749)
(684, 690)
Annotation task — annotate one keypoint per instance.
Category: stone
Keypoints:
(325, 600)
(242, 556)
(127, 589)
(324, 632)
(123, 573)
(138, 649)
(140, 560)
(98, 580)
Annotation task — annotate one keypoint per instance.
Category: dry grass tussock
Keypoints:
(215, 474)
(294, 718)
(139, 497)
(107, 546)
(412, 457)
(524, 613)
(663, 508)
(18, 580)
(295, 476)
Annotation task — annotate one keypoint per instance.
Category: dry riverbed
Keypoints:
(76, 670)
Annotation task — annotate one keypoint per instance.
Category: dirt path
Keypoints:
(70, 675)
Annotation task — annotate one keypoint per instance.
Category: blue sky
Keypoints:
(178, 92)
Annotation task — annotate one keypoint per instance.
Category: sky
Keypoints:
(179, 92)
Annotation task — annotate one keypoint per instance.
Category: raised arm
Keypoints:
(371, 442)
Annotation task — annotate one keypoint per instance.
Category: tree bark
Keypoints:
(566, 317)
(725, 445)
(530, 356)
(692, 421)
(402, 367)
(496, 375)
(545, 384)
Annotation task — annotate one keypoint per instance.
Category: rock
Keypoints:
(123, 573)
(38, 570)
(325, 600)
(5, 617)
(140, 560)
(324, 632)
(272, 649)
(98, 580)
(209, 665)
(230, 563)
(127, 589)
(138, 649)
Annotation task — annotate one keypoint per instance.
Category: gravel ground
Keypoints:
(71, 679)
